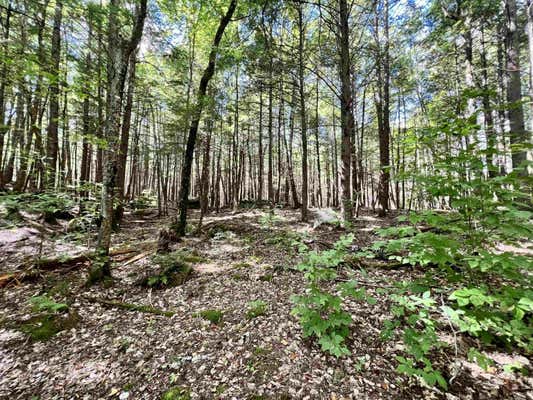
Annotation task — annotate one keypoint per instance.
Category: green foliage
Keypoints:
(44, 303)
(173, 269)
(489, 295)
(413, 317)
(269, 219)
(320, 311)
(143, 201)
(213, 316)
(256, 308)
(176, 393)
(50, 205)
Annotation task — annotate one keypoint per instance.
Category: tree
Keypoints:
(119, 52)
(518, 132)
(53, 114)
(180, 224)
(347, 120)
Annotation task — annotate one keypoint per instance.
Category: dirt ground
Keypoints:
(108, 352)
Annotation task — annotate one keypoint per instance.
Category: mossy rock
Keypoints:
(173, 271)
(213, 316)
(176, 393)
(43, 327)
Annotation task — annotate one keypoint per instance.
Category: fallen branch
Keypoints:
(138, 257)
(130, 306)
(32, 267)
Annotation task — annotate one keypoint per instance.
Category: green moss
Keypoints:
(44, 327)
(239, 277)
(213, 316)
(44, 303)
(176, 393)
(256, 308)
(266, 278)
(174, 270)
(242, 265)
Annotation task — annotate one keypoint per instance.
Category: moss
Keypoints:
(239, 277)
(100, 272)
(213, 316)
(176, 393)
(59, 288)
(173, 270)
(266, 278)
(256, 309)
(242, 265)
(44, 327)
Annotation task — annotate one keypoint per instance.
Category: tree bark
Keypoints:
(53, 113)
(303, 116)
(347, 120)
(518, 133)
(180, 225)
(119, 52)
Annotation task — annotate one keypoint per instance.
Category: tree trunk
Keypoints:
(518, 133)
(53, 113)
(180, 225)
(125, 138)
(347, 121)
(303, 117)
(119, 52)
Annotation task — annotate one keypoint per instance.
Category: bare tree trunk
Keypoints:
(518, 133)
(261, 156)
(347, 121)
(303, 116)
(180, 225)
(53, 113)
(3, 84)
(125, 138)
(119, 52)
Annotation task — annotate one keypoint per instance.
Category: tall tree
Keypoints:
(53, 113)
(518, 132)
(180, 224)
(119, 52)
(303, 114)
(347, 120)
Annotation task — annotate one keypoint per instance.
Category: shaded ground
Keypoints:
(115, 353)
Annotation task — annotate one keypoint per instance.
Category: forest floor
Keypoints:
(111, 352)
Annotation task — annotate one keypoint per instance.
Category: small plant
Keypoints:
(142, 202)
(256, 308)
(213, 316)
(177, 393)
(268, 220)
(320, 311)
(44, 303)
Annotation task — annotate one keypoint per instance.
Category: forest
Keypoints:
(266, 199)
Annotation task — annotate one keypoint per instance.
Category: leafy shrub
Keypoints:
(320, 311)
(489, 295)
(50, 205)
(142, 202)
(269, 219)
